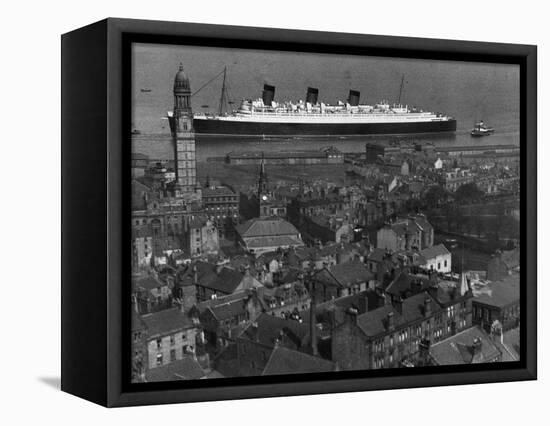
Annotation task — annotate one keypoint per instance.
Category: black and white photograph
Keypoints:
(302, 212)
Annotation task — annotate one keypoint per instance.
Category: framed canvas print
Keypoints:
(252, 212)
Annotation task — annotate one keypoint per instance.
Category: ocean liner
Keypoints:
(265, 117)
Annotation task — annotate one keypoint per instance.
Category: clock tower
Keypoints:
(181, 126)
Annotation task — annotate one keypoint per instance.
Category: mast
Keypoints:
(401, 89)
(222, 97)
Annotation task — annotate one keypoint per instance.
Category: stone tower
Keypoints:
(181, 125)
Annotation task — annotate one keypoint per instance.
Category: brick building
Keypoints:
(341, 280)
(497, 301)
(167, 336)
(261, 235)
(406, 233)
(391, 334)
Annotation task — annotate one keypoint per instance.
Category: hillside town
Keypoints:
(412, 260)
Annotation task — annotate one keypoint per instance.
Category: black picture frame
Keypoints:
(95, 211)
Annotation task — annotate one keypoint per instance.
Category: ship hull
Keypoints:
(215, 127)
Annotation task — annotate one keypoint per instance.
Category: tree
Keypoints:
(435, 196)
(468, 193)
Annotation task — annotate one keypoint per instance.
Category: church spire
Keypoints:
(262, 181)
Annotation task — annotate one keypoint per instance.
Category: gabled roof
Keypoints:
(349, 273)
(498, 293)
(222, 300)
(260, 227)
(228, 310)
(167, 321)
(404, 281)
(267, 330)
(186, 368)
(147, 283)
(377, 255)
(432, 252)
(225, 282)
(288, 361)
(375, 322)
(459, 348)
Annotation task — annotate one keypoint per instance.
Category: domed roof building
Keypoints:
(181, 81)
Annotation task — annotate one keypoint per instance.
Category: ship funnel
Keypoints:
(353, 98)
(268, 94)
(312, 95)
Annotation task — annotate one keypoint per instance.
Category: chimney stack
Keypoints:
(427, 307)
(353, 98)
(312, 95)
(135, 303)
(195, 275)
(255, 334)
(268, 94)
(398, 304)
(313, 318)
(424, 350)
(416, 285)
(390, 321)
(351, 315)
(181, 296)
(476, 346)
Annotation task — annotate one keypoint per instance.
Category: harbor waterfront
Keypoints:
(158, 146)
(277, 254)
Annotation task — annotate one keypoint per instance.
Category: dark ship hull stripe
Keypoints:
(222, 127)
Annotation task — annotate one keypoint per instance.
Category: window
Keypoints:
(159, 343)
(438, 266)
(172, 355)
(172, 340)
(159, 359)
(445, 263)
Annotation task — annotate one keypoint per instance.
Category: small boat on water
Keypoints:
(136, 132)
(480, 129)
(145, 90)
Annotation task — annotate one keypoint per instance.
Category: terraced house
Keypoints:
(392, 335)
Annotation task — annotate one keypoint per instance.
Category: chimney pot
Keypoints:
(391, 321)
(427, 307)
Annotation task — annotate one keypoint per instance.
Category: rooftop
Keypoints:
(165, 322)
(459, 348)
(498, 293)
(147, 283)
(431, 252)
(349, 273)
(218, 191)
(267, 329)
(260, 227)
(186, 368)
(288, 361)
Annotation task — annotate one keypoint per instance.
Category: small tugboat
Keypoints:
(480, 129)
